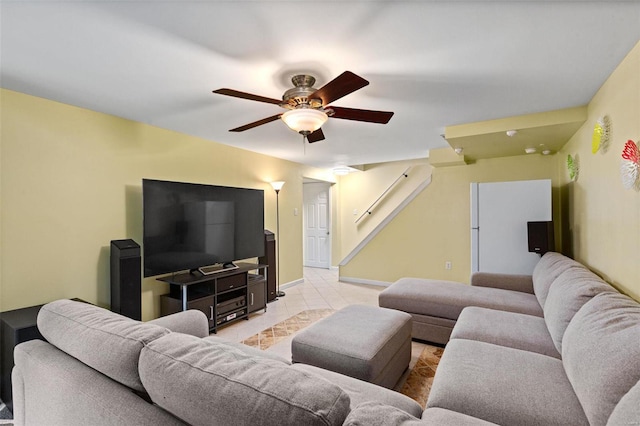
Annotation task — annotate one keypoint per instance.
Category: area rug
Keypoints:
(420, 378)
(417, 382)
(280, 331)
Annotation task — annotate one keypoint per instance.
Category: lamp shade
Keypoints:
(304, 119)
(277, 185)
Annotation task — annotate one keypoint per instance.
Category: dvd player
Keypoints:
(233, 315)
(227, 306)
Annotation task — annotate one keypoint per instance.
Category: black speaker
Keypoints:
(541, 238)
(269, 258)
(126, 279)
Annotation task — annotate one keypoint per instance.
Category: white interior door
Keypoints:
(317, 241)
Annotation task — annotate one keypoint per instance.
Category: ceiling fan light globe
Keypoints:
(304, 119)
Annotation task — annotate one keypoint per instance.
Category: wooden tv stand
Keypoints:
(224, 297)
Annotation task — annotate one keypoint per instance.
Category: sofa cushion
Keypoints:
(550, 266)
(504, 385)
(361, 392)
(627, 412)
(55, 389)
(442, 417)
(572, 289)
(519, 331)
(446, 299)
(376, 414)
(204, 382)
(601, 353)
(105, 341)
(513, 282)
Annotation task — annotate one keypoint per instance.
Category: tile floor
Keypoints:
(320, 290)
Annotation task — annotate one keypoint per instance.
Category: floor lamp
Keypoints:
(277, 186)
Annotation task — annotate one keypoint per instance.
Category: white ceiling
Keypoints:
(434, 63)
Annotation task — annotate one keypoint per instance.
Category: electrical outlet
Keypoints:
(295, 211)
(447, 265)
(355, 212)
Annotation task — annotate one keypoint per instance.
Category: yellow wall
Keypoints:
(597, 221)
(361, 189)
(435, 227)
(71, 182)
(601, 220)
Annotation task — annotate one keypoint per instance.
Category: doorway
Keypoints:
(316, 223)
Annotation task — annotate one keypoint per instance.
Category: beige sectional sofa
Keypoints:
(99, 368)
(565, 351)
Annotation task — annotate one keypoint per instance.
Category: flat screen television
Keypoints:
(189, 226)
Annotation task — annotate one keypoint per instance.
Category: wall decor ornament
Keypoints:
(630, 166)
(573, 167)
(601, 134)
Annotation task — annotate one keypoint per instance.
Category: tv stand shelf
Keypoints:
(224, 297)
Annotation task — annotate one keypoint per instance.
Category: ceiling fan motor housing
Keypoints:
(298, 96)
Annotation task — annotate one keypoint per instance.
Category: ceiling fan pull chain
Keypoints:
(304, 145)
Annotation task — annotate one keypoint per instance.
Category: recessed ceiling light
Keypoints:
(512, 133)
(529, 150)
(341, 170)
(459, 150)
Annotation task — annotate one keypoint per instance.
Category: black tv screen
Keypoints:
(188, 226)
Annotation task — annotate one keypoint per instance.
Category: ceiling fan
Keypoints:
(308, 107)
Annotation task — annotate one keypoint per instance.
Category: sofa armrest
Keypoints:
(193, 322)
(522, 283)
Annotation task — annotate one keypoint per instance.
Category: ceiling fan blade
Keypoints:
(244, 95)
(316, 136)
(342, 85)
(256, 123)
(381, 117)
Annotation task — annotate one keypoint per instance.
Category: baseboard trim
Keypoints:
(353, 280)
(292, 283)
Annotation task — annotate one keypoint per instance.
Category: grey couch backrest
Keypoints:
(207, 381)
(627, 411)
(601, 356)
(103, 340)
(550, 266)
(568, 293)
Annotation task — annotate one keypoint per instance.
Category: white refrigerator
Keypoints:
(499, 215)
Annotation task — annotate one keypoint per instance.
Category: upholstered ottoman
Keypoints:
(365, 342)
